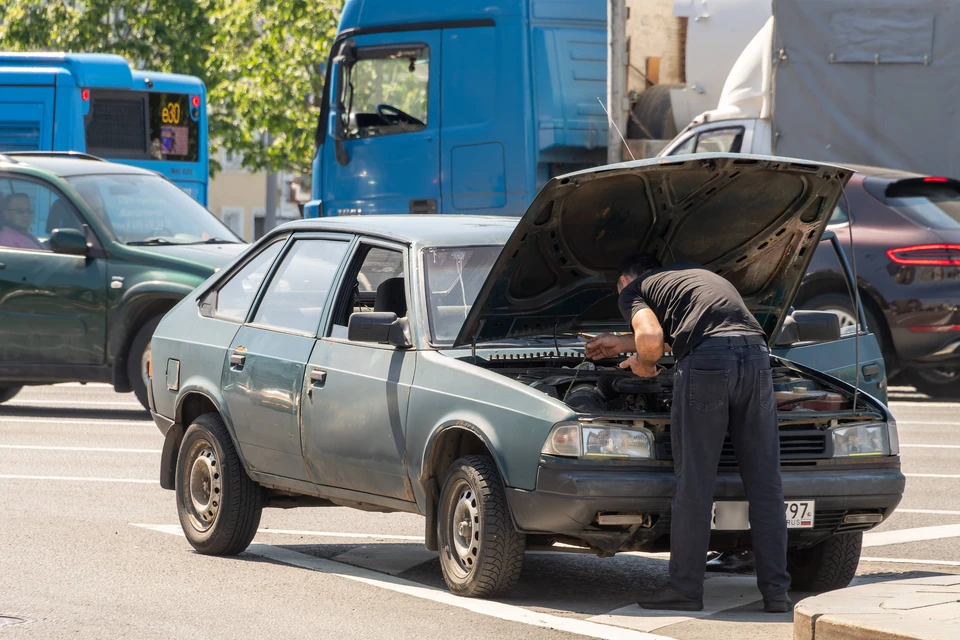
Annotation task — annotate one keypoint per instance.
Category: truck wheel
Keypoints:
(827, 565)
(218, 504)
(481, 554)
(7, 393)
(138, 359)
(941, 382)
(652, 114)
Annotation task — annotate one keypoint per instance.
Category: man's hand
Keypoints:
(641, 369)
(607, 345)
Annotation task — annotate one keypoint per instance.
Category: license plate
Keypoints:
(734, 516)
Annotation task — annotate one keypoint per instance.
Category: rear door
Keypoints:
(264, 369)
(386, 110)
(26, 117)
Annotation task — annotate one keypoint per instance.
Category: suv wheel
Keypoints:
(942, 382)
(7, 393)
(138, 361)
(827, 565)
(481, 553)
(218, 504)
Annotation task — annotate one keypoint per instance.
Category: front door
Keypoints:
(263, 370)
(52, 306)
(385, 108)
(355, 408)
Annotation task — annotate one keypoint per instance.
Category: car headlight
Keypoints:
(871, 439)
(598, 440)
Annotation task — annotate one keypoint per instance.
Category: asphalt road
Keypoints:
(90, 547)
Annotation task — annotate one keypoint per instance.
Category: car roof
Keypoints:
(419, 230)
(65, 164)
(883, 173)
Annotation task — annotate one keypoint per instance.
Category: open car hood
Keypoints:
(755, 220)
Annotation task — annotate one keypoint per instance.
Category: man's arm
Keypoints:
(607, 345)
(648, 341)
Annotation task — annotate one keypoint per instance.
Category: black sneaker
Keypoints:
(778, 604)
(670, 599)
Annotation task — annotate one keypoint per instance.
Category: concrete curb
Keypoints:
(916, 609)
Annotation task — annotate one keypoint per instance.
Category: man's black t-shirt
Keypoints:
(691, 303)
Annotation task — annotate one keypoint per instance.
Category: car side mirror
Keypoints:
(69, 241)
(379, 327)
(810, 326)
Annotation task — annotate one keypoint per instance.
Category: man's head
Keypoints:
(16, 212)
(634, 266)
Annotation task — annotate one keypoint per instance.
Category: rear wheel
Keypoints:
(481, 553)
(7, 393)
(218, 504)
(138, 361)
(827, 565)
(936, 382)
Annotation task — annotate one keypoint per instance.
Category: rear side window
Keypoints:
(235, 297)
(297, 293)
(929, 202)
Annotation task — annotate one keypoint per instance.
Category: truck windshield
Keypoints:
(149, 210)
(453, 277)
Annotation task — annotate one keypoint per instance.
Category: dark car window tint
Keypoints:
(454, 276)
(298, 290)
(234, 298)
(931, 205)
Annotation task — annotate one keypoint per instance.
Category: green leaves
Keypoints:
(260, 59)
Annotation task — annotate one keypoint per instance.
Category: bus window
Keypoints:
(142, 126)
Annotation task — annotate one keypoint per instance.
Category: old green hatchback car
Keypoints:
(92, 254)
(432, 364)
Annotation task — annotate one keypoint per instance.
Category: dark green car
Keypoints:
(92, 254)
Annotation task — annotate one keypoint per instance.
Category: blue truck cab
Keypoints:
(428, 107)
(97, 104)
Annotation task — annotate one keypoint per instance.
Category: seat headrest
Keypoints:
(61, 216)
(391, 297)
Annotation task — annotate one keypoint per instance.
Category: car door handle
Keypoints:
(318, 377)
(870, 371)
(2, 266)
(237, 359)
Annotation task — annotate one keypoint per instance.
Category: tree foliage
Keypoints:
(260, 59)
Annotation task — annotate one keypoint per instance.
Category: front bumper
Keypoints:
(568, 498)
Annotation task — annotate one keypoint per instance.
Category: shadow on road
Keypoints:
(72, 413)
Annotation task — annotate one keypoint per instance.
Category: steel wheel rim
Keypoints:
(203, 486)
(465, 527)
(847, 319)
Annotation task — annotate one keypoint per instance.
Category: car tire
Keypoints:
(481, 553)
(136, 362)
(7, 393)
(936, 383)
(218, 504)
(827, 565)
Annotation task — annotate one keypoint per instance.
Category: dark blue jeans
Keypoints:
(726, 385)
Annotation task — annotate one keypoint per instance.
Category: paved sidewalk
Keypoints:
(920, 608)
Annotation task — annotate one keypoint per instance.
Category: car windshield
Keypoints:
(149, 210)
(454, 276)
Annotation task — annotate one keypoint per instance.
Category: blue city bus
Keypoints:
(96, 104)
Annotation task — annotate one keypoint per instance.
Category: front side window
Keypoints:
(149, 210)
(685, 147)
(234, 298)
(720, 141)
(29, 213)
(379, 285)
(297, 293)
(454, 276)
(839, 215)
(384, 91)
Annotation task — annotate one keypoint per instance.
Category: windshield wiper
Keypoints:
(150, 241)
(215, 241)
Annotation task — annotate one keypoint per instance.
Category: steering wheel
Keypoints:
(393, 116)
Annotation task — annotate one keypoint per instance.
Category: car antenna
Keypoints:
(616, 128)
(856, 302)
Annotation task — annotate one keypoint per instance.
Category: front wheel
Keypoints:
(7, 393)
(940, 382)
(218, 504)
(481, 553)
(138, 361)
(827, 565)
